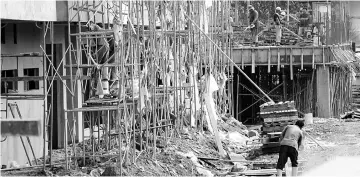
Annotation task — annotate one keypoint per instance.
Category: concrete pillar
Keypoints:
(323, 91)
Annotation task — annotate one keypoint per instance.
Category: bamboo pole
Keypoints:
(237, 67)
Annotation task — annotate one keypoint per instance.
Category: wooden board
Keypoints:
(278, 107)
(279, 114)
(263, 172)
(279, 123)
(281, 119)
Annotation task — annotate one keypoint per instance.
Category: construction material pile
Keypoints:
(287, 38)
(268, 37)
(191, 152)
(276, 117)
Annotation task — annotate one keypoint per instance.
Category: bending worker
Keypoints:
(291, 140)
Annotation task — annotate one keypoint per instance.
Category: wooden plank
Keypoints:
(263, 172)
(278, 115)
(280, 119)
(19, 127)
(100, 108)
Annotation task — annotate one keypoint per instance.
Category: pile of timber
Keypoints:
(268, 38)
(356, 114)
(276, 117)
(286, 39)
(356, 94)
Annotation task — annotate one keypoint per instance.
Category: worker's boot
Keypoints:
(294, 171)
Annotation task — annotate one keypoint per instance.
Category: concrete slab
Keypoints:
(338, 166)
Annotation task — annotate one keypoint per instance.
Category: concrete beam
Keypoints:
(310, 55)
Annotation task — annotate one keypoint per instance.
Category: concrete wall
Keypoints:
(28, 10)
(28, 40)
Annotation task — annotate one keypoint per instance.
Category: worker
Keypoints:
(102, 49)
(304, 21)
(278, 22)
(102, 44)
(291, 140)
(253, 19)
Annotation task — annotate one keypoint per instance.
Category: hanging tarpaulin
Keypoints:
(211, 87)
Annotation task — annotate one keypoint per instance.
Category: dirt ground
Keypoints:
(338, 138)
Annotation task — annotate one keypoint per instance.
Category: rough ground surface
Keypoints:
(338, 138)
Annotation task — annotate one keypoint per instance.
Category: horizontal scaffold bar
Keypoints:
(102, 65)
(40, 78)
(146, 32)
(99, 108)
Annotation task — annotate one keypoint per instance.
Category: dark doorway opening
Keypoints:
(55, 95)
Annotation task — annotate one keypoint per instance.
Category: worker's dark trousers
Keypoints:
(284, 154)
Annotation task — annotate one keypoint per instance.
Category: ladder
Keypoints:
(3, 110)
(12, 107)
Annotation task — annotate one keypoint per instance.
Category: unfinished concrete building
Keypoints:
(122, 76)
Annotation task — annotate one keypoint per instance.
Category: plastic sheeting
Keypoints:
(195, 102)
(211, 87)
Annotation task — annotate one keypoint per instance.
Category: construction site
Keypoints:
(178, 88)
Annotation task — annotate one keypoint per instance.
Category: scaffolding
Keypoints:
(135, 73)
(147, 67)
